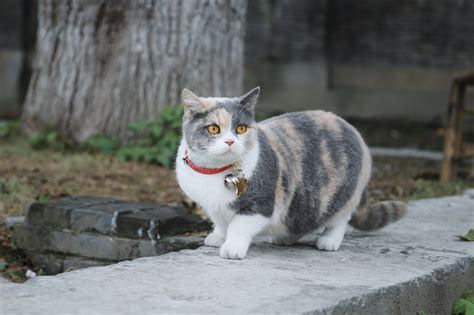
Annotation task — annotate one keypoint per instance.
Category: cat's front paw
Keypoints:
(234, 249)
(214, 240)
(329, 243)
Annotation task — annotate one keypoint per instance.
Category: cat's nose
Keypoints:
(229, 142)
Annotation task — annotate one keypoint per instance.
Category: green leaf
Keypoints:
(3, 265)
(469, 237)
(104, 144)
(8, 128)
(145, 142)
(137, 126)
(4, 129)
(51, 137)
(167, 113)
(158, 140)
(155, 131)
(37, 140)
(465, 304)
(44, 198)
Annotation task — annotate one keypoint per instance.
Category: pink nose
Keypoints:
(229, 142)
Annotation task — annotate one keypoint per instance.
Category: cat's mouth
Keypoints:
(228, 154)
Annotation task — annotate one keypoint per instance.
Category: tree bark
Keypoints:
(100, 65)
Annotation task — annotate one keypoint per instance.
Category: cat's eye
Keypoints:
(213, 129)
(241, 129)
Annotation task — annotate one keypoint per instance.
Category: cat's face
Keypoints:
(220, 130)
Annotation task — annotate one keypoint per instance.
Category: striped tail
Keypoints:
(373, 217)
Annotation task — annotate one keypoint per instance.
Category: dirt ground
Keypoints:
(27, 175)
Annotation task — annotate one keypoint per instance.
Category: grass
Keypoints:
(412, 179)
(431, 189)
(13, 194)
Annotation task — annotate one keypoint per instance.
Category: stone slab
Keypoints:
(154, 221)
(52, 263)
(96, 246)
(114, 217)
(415, 264)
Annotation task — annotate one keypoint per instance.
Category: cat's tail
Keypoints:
(373, 217)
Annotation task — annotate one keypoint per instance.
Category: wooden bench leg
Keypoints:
(448, 147)
(453, 138)
(448, 152)
(458, 131)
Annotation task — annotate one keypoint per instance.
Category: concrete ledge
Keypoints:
(416, 264)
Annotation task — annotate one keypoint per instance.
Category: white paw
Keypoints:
(214, 240)
(235, 249)
(329, 243)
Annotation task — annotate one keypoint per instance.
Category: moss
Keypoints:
(431, 189)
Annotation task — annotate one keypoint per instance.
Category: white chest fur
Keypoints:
(208, 190)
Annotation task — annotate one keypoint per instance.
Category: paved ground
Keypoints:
(416, 264)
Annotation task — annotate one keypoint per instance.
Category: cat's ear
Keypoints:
(192, 103)
(250, 99)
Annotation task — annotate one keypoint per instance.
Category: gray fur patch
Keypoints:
(349, 146)
(345, 152)
(304, 211)
(260, 196)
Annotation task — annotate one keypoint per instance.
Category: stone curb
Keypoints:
(413, 265)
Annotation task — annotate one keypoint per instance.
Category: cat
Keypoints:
(304, 170)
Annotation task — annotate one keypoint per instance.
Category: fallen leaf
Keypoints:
(469, 237)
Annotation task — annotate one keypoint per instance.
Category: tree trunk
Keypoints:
(102, 64)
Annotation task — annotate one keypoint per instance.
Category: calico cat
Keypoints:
(304, 171)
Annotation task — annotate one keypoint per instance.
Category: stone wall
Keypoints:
(422, 33)
(360, 59)
(79, 232)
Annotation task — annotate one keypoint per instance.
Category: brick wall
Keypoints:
(374, 59)
(284, 30)
(402, 32)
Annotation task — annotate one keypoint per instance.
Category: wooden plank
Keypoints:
(466, 77)
(469, 111)
(467, 150)
(448, 149)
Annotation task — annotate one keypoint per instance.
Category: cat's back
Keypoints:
(315, 134)
(310, 119)
(298, 128)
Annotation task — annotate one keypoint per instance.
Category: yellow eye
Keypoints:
(241, 129)
(213, 129)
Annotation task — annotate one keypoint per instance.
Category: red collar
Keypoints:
(202, 170)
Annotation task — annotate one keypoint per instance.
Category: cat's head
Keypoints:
(220, 130)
